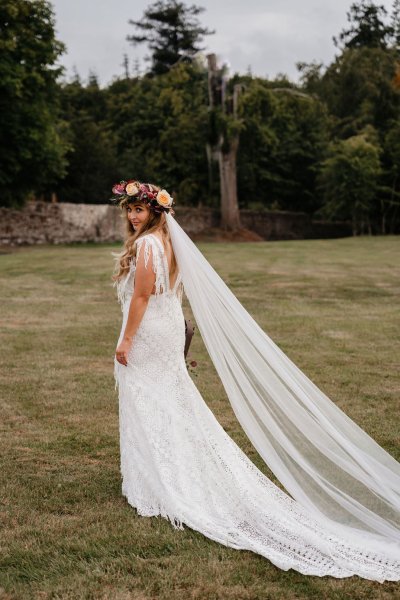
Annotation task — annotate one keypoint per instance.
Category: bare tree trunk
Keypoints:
(209, 165)
(230, 216)
(383, 219)
(354, 225)
(392, 223)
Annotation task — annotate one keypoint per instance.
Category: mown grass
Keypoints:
(67, 533)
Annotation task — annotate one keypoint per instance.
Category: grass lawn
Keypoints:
(67, 533)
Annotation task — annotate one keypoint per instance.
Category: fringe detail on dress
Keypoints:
(151, 508)
(157, 257)
(175, 521)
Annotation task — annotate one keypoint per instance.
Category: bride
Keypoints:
(342, 516)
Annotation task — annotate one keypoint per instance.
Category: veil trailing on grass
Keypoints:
(325, 461)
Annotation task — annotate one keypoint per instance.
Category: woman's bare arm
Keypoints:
(144, 284)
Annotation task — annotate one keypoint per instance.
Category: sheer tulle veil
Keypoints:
(323, 459)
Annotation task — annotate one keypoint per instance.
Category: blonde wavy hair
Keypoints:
(156, 222)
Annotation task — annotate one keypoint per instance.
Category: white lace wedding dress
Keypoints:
(178, 462)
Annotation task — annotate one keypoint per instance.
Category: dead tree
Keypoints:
(224, 147)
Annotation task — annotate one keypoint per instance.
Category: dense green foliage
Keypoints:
(349, 179)
(33, 138)
(328, 145)
(92, 158)
(283, 136)
(161, 127)
(361, 91)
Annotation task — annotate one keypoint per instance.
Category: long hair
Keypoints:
(155, 222)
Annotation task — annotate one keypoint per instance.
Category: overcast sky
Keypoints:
(269, 36)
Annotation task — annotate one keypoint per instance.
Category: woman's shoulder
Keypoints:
(148, 235)
(150, 242)
(145, 237)
(150, 238)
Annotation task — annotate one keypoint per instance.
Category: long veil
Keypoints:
(324, 460)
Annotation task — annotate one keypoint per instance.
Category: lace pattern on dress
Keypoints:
(149, 243)
(177, 461)
(153, 252)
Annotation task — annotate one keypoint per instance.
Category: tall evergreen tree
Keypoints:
(368, 27)
(172, 32)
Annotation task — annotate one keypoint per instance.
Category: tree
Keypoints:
(172, 31)
(223, 142)
(359, 89)
(161, 128)
(284, 134)
(92, 158)
(349, 180)
(367, 27)
(310, 76)
(390, 187)
(32, 146)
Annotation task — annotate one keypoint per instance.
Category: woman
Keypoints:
(176, 459)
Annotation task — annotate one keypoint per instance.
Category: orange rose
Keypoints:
(164, 199)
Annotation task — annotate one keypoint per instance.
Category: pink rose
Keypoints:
(118, 188)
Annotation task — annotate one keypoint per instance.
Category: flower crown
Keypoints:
(132, 190)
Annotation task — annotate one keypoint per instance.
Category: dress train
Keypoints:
(177, 461)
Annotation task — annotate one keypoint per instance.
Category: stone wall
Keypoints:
(277, 225)
(282, 225)
(57, 223)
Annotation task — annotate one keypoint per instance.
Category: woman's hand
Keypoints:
(122, 351)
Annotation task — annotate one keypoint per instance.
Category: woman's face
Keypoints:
(138, 215)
